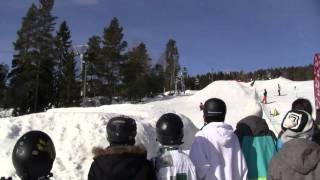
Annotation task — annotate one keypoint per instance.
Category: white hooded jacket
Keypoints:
(217, 155)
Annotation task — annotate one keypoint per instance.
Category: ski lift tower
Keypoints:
(180, 80)
(79, 50)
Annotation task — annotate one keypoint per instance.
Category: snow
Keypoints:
(5, 112)
(75, 131)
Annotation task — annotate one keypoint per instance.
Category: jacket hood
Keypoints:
(252, 126)
(297, 124)
(253, 108)
(119, 150)
(300, 155)
(220, 131)
(120, 162)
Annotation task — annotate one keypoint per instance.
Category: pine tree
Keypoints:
(94, 66)
(23, 65)
(31, 78)
(3, 88)
(156, 80)
(172, 60)
(67, 89)
(113, 60)
(44, 93)
(137, 72)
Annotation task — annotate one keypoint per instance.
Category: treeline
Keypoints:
(44, 71)
(301, 73)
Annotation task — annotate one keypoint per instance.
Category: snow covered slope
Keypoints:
(290, 90)
(76, 130)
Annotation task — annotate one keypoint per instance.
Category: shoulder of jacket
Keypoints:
(199, 133)
(275, 165)
(116, 150)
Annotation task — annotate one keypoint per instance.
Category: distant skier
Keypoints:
(201, 106)
(252, 83)
(33, 156)
(279, 90)
(122, 160)
(264, 99)
(170, 162)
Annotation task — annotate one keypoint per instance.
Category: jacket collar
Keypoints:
(118, 150)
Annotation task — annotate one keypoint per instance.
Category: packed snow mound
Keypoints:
(5, 112)
(272, 82)
(236, 95)
(75, 131)
(282, 79)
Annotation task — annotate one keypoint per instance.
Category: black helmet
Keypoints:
(302, 104)
(169, 129)
(33, 155)
(214, 110)
(121, 130)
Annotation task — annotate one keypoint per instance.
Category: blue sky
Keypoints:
(218, 35)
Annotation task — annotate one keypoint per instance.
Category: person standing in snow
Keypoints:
(279, 90)
(252, 83)
(258, 142)
(122, 160)
(171, 162)
(264, 99)
(299, 158)
(201, 106)
(216, 151)
(33, 156)
(295, 91)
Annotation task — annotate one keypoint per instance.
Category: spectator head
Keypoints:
(33, 155)
(302, 104)
(169, 129)
(214, 110)
(121, 130)
(297, 124)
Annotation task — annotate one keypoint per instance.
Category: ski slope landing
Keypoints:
(75, 131)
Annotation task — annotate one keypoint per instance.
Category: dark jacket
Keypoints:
(253, 126)
(121, 163)
(258, 144)
(298, 159)
(316, 135)
(265, 93)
